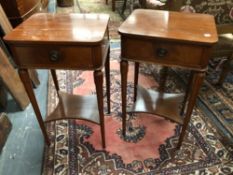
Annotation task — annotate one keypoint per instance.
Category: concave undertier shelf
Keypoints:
(163, 104)
(75, 107)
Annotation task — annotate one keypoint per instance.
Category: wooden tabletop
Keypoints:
(170, 25)
(62, 28)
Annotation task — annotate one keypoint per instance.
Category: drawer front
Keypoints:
(66, 57)
(165, 53)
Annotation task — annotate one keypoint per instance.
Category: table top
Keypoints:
(191, 27)
(60, 28)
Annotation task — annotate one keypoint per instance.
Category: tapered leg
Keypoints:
(54, 76)
(113, 5)
(197, 82)
(223, 76)
(226, 68)
(136, 71)
(188, 88)
(163, 79)
(124, 73)
(56, 84)
(107, 75)
(23, 73)
(123, 7)
(98, 78)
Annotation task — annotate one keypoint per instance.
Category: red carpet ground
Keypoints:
(149, 147)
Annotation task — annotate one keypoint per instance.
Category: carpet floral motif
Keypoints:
(218, 99)
(75, 146)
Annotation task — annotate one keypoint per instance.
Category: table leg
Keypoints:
(113, 5)
(107, 75)
(136, 71)
(24, 75)
(186, 94)
(226, 68)
(124, 73)
(198, 78)
(163, 79)
(123, 7)
(98, 78)
(54, 76)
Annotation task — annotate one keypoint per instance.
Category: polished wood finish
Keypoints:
(124, 72)
(74, 39)
(55, 81)
(136, 71)
(71, 29)
(65, 41)
(187, 90)
(55, 56)
(98, 78)
(170, 39)
(151, 52)
(107, 77)
(75, 107)
(149, 101)
(171, 26)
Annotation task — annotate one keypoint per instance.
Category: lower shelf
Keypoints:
(163, 104)
(75, 107)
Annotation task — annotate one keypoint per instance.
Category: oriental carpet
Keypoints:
(149, 147)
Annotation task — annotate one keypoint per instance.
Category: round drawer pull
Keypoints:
(54, 55)
(161, 52)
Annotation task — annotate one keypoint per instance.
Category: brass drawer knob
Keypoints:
(161, 52)
(54, 55)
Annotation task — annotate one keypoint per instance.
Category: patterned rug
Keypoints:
(149, 147)
(216, 100)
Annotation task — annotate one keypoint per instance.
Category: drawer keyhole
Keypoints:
(161, 52)
(54, 55)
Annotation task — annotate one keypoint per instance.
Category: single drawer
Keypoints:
(163, 52)
(57, 57)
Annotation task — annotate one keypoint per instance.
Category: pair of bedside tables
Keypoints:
(81, 42)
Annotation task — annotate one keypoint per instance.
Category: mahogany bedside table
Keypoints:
(65, 41)
(170, 39)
